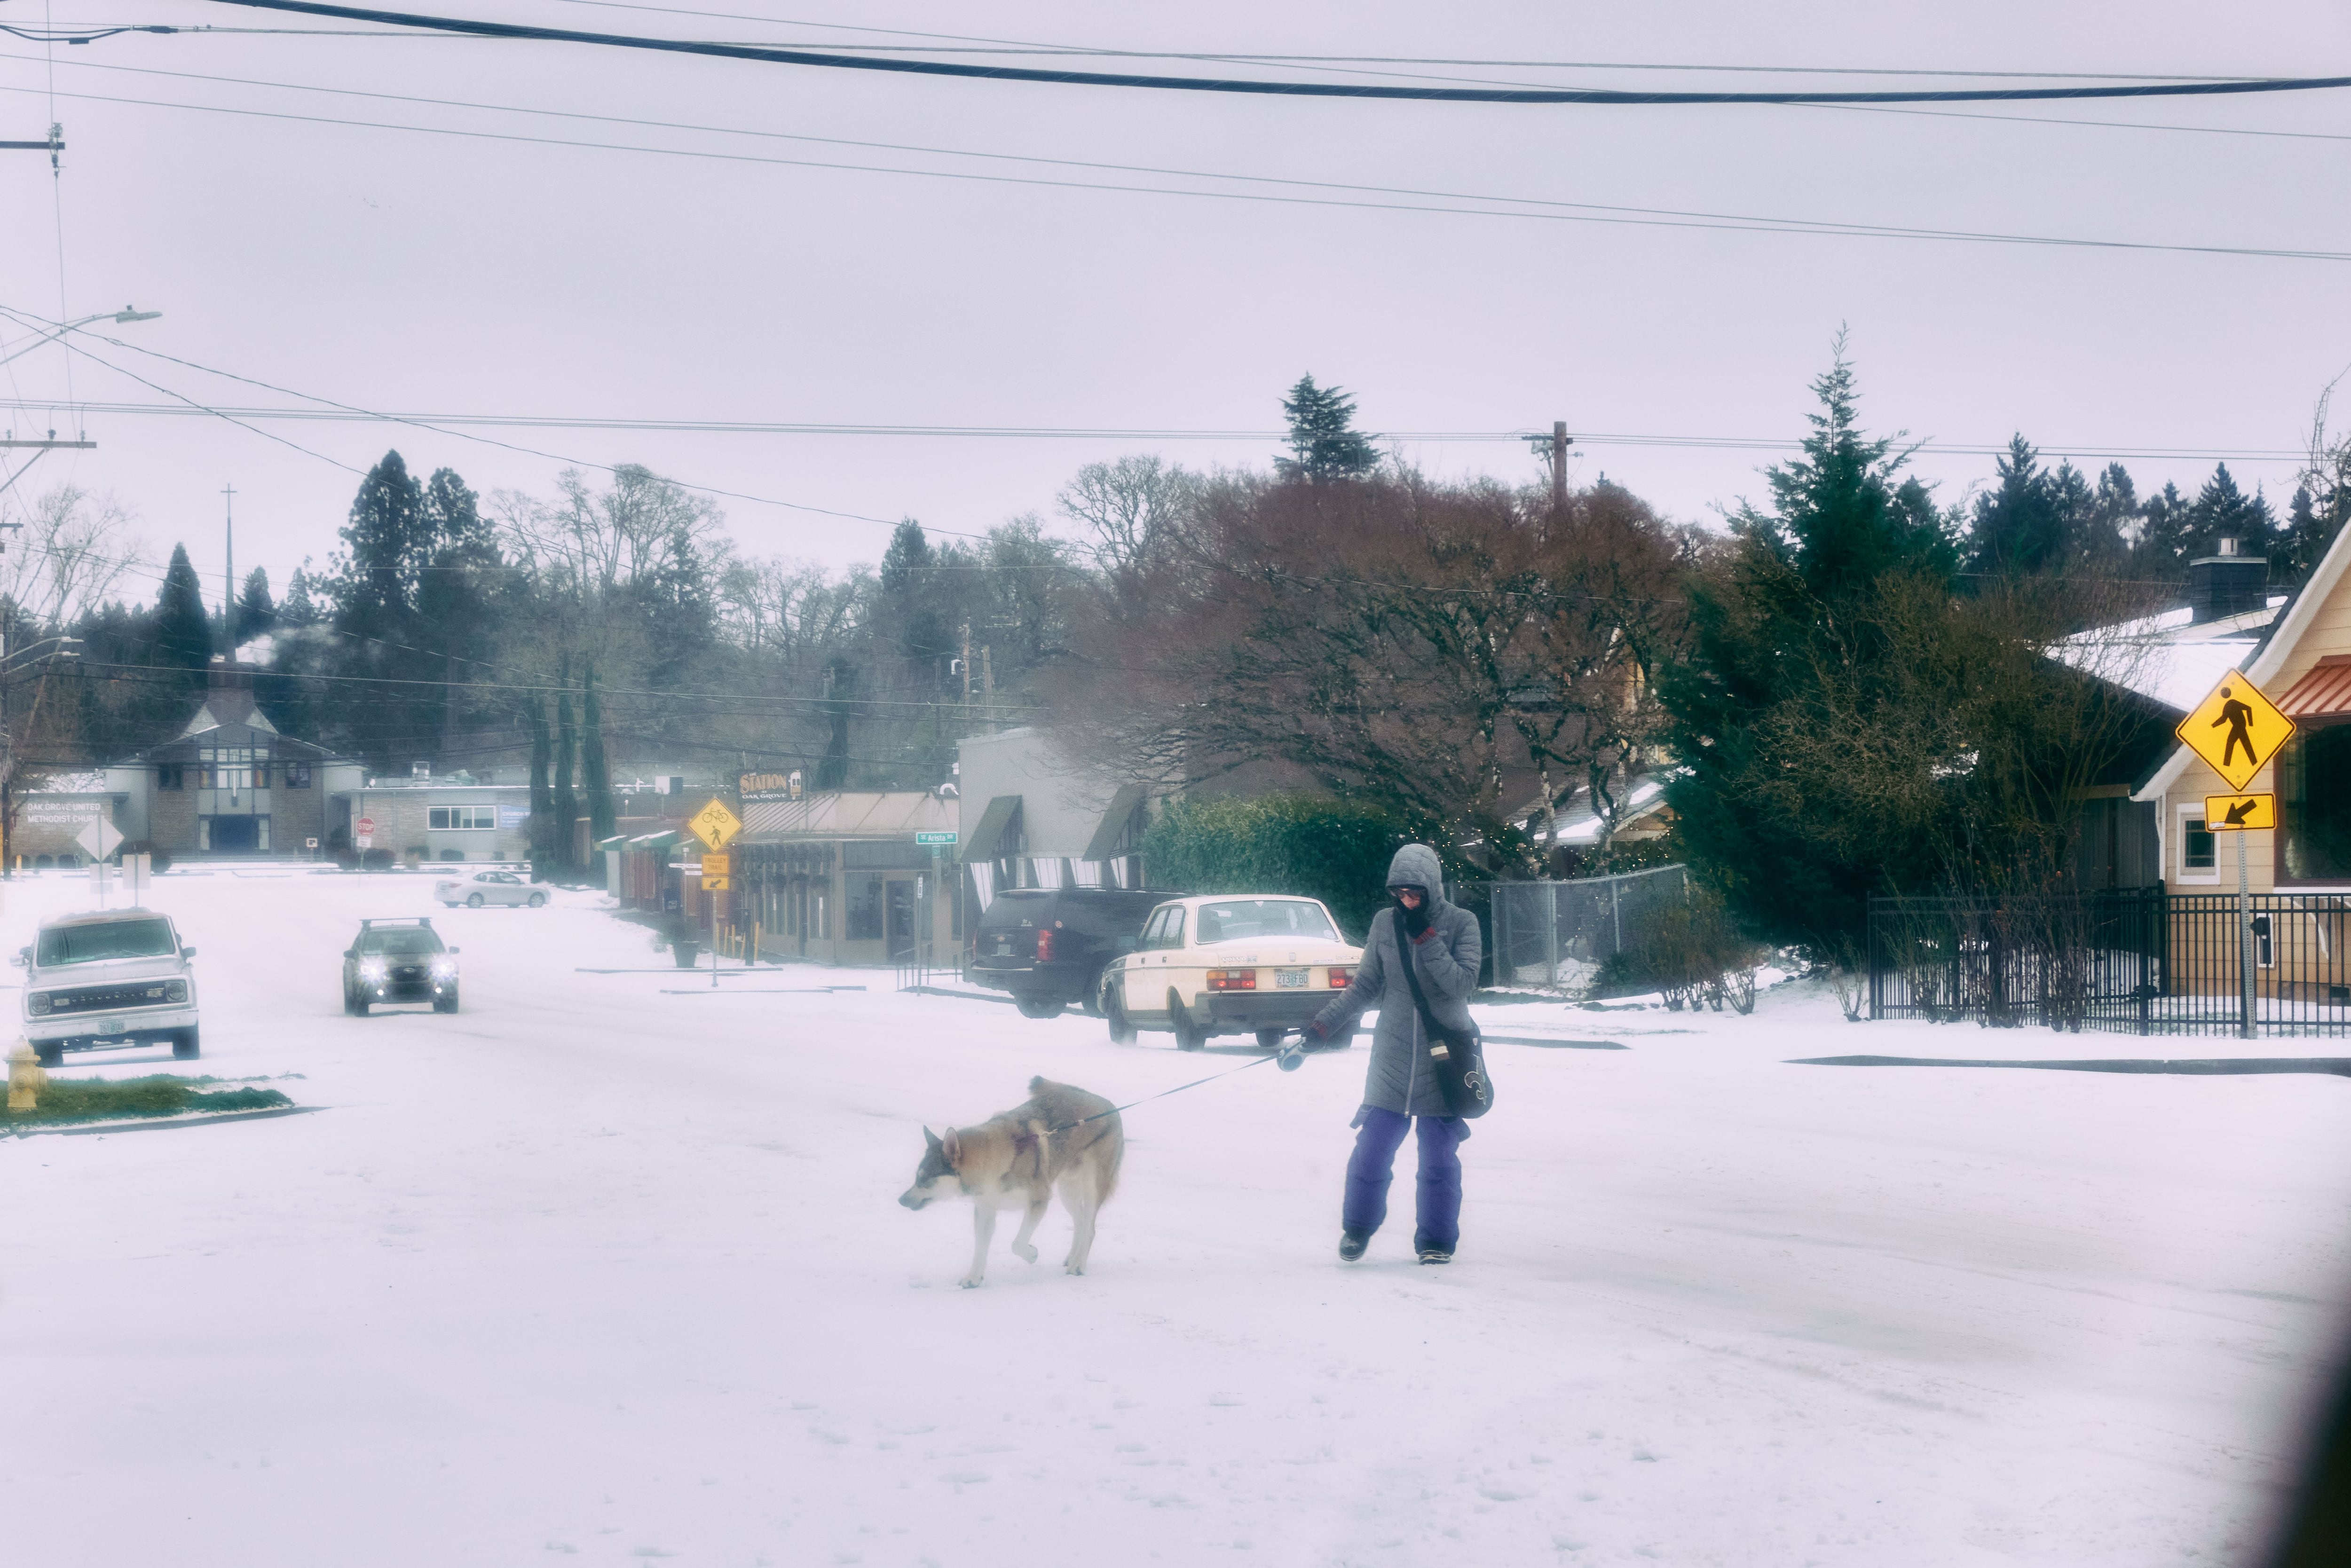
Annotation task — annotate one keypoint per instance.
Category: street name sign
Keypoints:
(2236, 730)
(2237, 813)
(715, 825)
(934, 838)
(100, 839)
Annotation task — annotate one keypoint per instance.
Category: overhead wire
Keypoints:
(1521, 207)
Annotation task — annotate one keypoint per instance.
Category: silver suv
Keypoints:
(118, 977)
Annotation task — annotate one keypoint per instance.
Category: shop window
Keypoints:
(461, 818)
(864, 908)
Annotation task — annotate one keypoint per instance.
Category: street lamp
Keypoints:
(125, 314)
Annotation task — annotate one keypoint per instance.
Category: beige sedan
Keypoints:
(1224, 964)
(488, 887)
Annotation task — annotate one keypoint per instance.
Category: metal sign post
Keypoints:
(2237, 730)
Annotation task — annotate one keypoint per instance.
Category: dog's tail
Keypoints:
(1116, 1138)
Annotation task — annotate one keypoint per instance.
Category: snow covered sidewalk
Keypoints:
(594, 1273)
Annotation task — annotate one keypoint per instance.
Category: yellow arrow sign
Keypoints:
(2236, 730)
(2225, 813)
(715, 825)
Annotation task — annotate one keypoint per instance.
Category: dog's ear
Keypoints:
(930, 1139)
(952, 1147)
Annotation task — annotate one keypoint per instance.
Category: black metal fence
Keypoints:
(2144, 961)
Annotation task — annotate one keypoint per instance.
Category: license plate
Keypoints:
(1290, 979)
(113, 1026)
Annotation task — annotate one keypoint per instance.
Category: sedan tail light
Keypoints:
(1232, 980)
(1044, 946)
(1341, 978)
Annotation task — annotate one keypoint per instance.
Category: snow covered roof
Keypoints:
(1580, 826)
(2169, 657)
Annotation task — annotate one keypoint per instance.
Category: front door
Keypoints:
(236, 835)
(900, 920)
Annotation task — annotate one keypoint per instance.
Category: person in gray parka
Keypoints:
(1441, 941)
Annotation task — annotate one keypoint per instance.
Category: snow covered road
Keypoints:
(592, 1272)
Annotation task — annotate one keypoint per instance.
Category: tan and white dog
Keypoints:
(1063, 1140)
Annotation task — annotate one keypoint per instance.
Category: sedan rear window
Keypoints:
(111, 939)
(1263, 917)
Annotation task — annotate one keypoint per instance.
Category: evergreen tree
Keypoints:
(1323, 441)
(2303, 541)
(598, 773)
(566, 799)
(256, 615)
(2223, 511)
(2113, 520)
(183, 630)
(2020, 527)
(1844, 522)
(301, 606)
(2165, 538)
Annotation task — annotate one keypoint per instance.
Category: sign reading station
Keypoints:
(2236, 813)
(2236, 730)
(715, 825)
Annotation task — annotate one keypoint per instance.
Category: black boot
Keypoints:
(1430, 1251)
(1352, 1244)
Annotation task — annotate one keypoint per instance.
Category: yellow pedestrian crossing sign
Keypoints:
(2236, 730)
(715, 825)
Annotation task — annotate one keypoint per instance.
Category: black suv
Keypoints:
(399, 961)
(1046, 945)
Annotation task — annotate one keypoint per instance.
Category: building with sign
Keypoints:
(846, 877)
(1026, 818)
(2299, 660)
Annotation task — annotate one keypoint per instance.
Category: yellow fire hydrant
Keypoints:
(25, 1078)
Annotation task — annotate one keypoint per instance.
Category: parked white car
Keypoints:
(118, 977)
(488, 887)
(1228, 965)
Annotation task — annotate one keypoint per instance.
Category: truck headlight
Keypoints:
(177, 991)
(40, 1003)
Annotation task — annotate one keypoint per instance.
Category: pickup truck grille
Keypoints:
(145, 994)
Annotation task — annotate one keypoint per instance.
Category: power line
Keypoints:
(1592, 96)
(1545, 209)
(439, 422)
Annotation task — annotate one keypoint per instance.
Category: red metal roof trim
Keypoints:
(2323, 692)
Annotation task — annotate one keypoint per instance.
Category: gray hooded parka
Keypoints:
(1449, 958)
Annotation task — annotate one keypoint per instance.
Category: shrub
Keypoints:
(1692, 953)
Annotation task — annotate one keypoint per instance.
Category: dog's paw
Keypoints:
(971, 1282)
(1025, 1254)
(1073, 1268)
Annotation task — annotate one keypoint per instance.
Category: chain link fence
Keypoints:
(1559, 934)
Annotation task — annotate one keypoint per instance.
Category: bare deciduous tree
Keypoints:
(1129, 505)
(71, 556)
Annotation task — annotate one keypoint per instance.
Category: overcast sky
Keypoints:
(399, 271)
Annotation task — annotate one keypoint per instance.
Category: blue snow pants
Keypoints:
(1438, 1208)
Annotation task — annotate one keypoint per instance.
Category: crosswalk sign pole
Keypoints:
(2245, 965)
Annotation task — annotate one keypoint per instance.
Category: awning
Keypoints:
(661, 841)
(1104, 843)
(2323, 692)
(981, 845)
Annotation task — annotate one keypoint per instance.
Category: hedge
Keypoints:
(1336, 851)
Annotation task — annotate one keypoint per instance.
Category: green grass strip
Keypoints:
(114, 1099)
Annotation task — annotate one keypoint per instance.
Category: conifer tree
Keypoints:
(256, 615)
(1323, 441)
(2018, 528)
(2224, 511)
(183, 630)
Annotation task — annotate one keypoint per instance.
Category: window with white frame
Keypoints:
(2197, 858)
(461, 818)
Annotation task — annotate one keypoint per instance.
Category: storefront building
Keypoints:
(850, 877)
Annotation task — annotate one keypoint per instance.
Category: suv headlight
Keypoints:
(177, 991)
(40, 1003)
(371, 969)
(444, 969)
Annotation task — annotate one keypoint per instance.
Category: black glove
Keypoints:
(1415, 918)
(1315, 1031)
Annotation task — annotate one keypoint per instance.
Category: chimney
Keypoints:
(2226, 584)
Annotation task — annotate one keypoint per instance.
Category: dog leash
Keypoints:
(1211, 1078)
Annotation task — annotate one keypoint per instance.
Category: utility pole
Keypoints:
(1553, 448)
(987, 687)
(967, 667)
(228, 573)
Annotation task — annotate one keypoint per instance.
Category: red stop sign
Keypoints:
(364, 825)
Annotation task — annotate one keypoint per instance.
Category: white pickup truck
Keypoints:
(118, 977)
